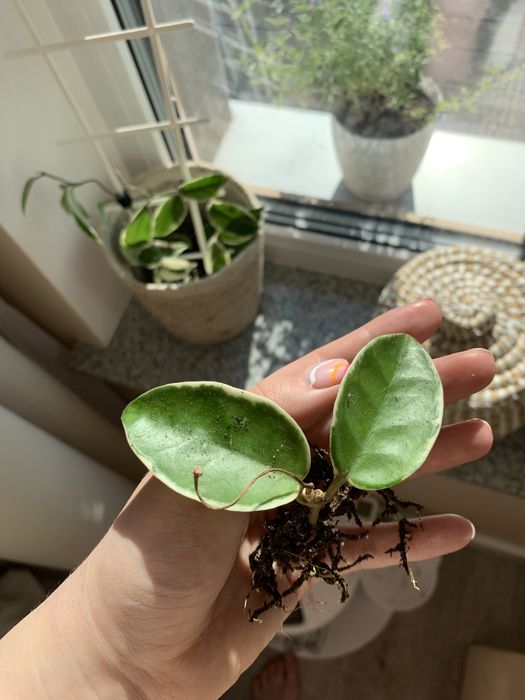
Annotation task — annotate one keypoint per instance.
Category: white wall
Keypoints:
(56, 503)
(56, 275)
(35, 395)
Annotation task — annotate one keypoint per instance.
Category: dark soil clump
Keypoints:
(292, 546)
(378, 120)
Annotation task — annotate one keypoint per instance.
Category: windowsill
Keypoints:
(472, 182)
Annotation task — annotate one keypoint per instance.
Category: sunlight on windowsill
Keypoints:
(465, 179)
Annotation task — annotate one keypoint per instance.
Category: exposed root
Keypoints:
(402, 546)
(393, 505)
(293, 549)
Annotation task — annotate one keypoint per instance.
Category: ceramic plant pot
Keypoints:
(212, 309)
(380, 169)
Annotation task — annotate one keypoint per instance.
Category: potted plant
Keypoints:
(187, 242)
(365, 61)
(231, 449)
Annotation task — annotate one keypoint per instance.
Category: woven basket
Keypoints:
(212, 309)
(482, 295)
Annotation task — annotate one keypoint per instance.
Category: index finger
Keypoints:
(290, 386)
(419, 319)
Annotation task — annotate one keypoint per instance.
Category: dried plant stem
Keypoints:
(197, 473)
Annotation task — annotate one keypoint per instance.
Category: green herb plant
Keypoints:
(363, 60)
(231, 449)
(158, 241)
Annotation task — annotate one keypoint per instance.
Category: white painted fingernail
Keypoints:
(328, 373)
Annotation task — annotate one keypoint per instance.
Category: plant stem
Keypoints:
(314, 514)
(92, 180)
(340, 480)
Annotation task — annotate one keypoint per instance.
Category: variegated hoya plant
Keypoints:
(158, 240)
(234, 450)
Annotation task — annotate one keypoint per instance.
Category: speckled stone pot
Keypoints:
(381, 169)
(212, 309)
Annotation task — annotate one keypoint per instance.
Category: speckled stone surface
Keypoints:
(299, 311)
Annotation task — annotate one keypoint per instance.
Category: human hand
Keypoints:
(164, 591)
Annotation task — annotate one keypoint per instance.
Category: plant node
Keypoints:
(313, 496)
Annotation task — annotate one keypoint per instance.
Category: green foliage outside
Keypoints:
(363, 60)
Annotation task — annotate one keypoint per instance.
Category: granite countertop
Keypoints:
(299, 311)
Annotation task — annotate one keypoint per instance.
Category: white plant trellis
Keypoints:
(177, 118)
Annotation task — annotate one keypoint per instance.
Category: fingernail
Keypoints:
(423, 301)
(328, 373)
(479, 351)
(473, 533)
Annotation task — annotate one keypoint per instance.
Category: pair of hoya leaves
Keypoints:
(154, 238)
(386, 417)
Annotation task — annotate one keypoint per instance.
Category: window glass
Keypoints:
(292, 90)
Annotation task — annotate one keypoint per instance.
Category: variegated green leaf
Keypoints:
(139, 230)
(72, 206)
(231, 435)
(27, 190)
(387, 414)
(203, 188)
(169, 216)
(233, 219)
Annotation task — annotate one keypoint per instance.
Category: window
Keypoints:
(472, 176)
(469, 186)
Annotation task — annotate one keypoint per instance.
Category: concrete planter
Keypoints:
(381, 169)
(212, 309)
